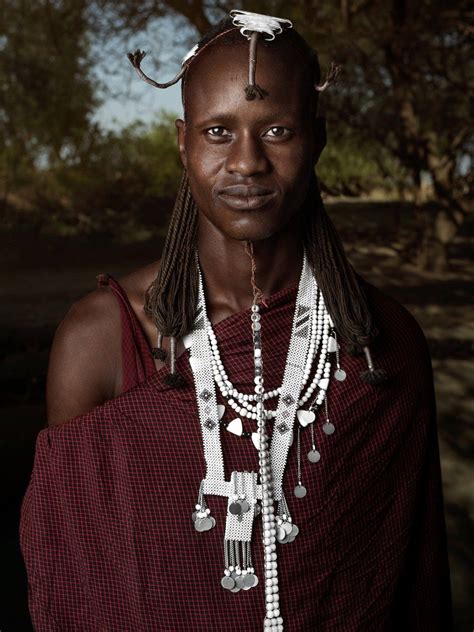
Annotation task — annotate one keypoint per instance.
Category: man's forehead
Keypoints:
(215, 83)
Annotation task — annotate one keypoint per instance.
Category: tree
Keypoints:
(48, 93)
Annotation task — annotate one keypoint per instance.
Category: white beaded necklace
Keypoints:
(310, 328)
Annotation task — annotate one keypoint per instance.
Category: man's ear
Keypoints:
(320, 138)
(181, 127)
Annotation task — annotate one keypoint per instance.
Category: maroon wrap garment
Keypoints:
(106, 529)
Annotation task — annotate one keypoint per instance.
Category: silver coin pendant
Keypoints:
(313, 456)
(227, 582)
(300, 491)
(329, 428)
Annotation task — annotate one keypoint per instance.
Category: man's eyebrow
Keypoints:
(227, 117)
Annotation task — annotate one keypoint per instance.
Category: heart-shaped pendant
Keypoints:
(256, 440)
(323, 383)
(305, 417)
(235, 427)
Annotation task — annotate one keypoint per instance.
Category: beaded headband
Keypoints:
(252, 26)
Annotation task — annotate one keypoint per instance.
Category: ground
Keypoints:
(41, 276)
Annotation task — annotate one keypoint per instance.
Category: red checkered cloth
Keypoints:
(106, 530)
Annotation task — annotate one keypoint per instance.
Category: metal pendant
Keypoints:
(329, 428)
(287, 526)
(244, 505)
(240, 581)
(305, 417)
(340, 375)
(206, 524)
(300, 491)
(281, 533)
(332, 344)
(249, 580)
(227, 582)
(235, 509)
(235, 426)
(313, 456)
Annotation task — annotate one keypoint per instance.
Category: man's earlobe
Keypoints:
(181, 127)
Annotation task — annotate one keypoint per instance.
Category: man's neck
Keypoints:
(226, 268)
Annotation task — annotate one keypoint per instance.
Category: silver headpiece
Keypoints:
(252, 26)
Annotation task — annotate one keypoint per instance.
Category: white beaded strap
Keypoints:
(218, 487)
(200, 360)
(293, 378)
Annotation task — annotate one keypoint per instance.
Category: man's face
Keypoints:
(248, 162)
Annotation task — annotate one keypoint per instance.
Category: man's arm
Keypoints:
(85, 363)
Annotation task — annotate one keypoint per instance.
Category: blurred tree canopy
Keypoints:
(400, 114)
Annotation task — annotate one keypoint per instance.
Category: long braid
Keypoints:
(335, 275)
(171, 299)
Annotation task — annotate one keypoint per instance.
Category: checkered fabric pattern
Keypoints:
(106, 530)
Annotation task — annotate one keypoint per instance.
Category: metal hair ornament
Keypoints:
(252, 26)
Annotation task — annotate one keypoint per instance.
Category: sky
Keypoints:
(128, 98)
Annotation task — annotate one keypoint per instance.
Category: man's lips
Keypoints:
(243, 197)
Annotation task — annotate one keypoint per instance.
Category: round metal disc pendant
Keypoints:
(294, 531)
(213, 521)
(194, 516)
(340, 375)
(235, 589)
(235, 509)
(227, 582)
(198, 525)
(281, 533)
(287, 527)
(313, 456)
(249, 580)
(329, 428)
(300, 491)
(206, 524)
(239, 582)
(244, 505)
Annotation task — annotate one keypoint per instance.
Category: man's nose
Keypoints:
(247, 156)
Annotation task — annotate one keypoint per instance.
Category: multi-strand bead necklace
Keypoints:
(298, 399)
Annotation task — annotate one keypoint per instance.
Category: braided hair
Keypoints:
(171, 299)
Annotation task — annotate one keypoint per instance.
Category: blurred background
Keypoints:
(89, 169)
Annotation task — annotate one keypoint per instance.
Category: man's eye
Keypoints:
(278, 132)
(216, 132)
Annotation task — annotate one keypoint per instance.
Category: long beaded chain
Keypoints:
(273, 619)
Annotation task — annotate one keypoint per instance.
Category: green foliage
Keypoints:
(48, 94)
(121, 183)
(351, 167)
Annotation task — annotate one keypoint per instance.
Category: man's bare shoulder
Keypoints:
(85, 367)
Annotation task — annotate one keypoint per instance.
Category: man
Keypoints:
(106, 530)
